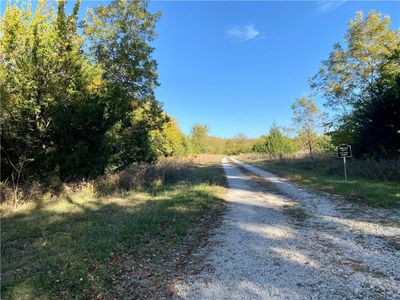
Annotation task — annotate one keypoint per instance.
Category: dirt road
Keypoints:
(279, 241)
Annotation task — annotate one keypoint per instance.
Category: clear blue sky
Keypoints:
(238, 66)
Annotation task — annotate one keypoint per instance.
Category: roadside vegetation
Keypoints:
(369, 181)
(124, 235)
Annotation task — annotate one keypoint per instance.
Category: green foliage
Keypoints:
(344, 135)
(119, 36)
(170, 141)
(275, 143)
(24, 120)
(198, 138)
(74, 112)
(200, 142)
(377, 122)
(351, 71)
(77, 246)
(370, 181)
(48, 92)
(359, 83)
(78, 118)
(240, 143)
(308, 120)
(259, 144)
(324, 143)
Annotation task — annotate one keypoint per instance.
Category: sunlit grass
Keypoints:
(73, 246)
(318, 175)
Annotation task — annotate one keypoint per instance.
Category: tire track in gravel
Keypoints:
(279, 241)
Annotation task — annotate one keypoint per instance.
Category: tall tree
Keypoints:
(79, 112)
(357, 80)
(308, 120)
(26, 79)
(349, 76)
(119, 36)
(377, 122)
(73, 113)
(53, 113)
(199, 137)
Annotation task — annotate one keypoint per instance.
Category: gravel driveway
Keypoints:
(279, 241)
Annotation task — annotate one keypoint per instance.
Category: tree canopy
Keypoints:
(77, 102)
(359, 81)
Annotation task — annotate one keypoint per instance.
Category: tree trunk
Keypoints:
(310, 149)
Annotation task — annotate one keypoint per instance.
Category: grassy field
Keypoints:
(112, 238)
(370, 182)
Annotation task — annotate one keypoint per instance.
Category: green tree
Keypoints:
(170, 141)
(275, 143)
(240, 143)
(259, 144)
(308, 120)
(359, 80)
(53, 116)
(377, 122)
(199, 138)
(119, 35)
(26, 79)
(349, 76)
(68, 113)
(79, 112)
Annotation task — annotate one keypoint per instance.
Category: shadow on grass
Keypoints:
(106, 245)
(375, 192)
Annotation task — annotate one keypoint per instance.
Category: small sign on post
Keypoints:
(344, 151)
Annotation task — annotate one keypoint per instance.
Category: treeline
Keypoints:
(171, 141)
(77, 96)
(203, 143)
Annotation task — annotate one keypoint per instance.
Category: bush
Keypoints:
(275, 143)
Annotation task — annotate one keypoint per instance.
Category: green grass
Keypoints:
(327, 175)
(82, 245)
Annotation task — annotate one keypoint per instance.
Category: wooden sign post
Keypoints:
(344, 151)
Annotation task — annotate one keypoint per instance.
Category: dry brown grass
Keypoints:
(369, 181)
(167, 170)
(135, 178)
(328, 164)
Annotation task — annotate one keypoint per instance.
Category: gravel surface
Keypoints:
(286, 242)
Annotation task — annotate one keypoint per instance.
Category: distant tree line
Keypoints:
(199, 141)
